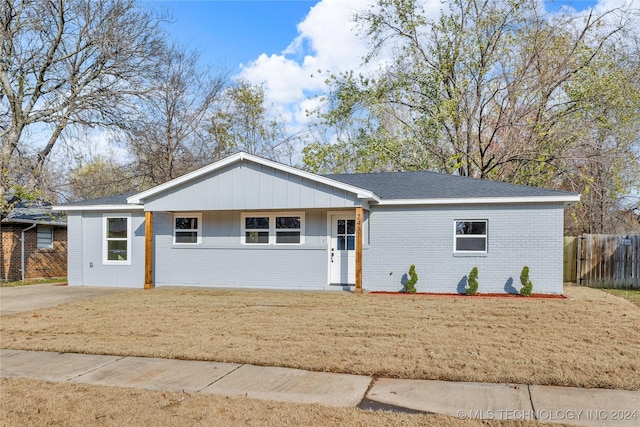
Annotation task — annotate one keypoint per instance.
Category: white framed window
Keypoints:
(470, 236)
(116, 239)
(187, 228)
(256, 230)
(45, 237)
(272, 228)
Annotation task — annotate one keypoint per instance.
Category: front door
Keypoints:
(343, 250)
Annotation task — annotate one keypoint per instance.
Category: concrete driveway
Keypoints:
(19, 299)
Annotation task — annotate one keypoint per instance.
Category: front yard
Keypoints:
(589, 340)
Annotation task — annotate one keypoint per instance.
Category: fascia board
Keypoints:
(483, 200)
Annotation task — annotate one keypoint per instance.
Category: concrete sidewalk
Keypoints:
(582, 407)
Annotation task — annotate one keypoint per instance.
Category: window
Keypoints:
(273, 229)
(346, 234)
(470, 236)
(256, 230)
(186, 228)
(288, 229)
(45, 237)
(117, 242)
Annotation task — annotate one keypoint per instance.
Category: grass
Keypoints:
(14, 283)
(27, 402)
(589, 340)
(631, 295)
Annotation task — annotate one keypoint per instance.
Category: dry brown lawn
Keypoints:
(25, 402)
(632, 295)
(589, 340)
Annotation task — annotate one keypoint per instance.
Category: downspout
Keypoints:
(22, 250)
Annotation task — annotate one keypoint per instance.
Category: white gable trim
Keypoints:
(569, 199)
(360, 192)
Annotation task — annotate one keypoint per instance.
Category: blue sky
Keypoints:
(230, 32)
(288, 46)
(233, 32)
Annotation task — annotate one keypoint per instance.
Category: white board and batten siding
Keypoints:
(85, 252)
(250, 186)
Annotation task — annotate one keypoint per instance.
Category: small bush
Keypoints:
(410, 286)
(527, 286)
(472, 281)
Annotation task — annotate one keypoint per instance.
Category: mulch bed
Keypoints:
(478, 295)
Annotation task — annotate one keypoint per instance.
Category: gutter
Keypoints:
(22, 250)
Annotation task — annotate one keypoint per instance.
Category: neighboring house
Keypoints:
(34, 242)
(247, 222)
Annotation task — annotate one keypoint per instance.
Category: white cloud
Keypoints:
(327, 42)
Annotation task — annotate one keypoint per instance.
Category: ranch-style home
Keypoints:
(248, 222)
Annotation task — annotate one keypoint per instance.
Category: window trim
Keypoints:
(272, 227)
(198, 230)
(40, 228)
(485, 236)
(105, 254)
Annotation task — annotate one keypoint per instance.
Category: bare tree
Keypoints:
(243, 122)
(100, 176)
(66, 63)
(170, 136)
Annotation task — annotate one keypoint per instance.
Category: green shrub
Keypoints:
(410, 286)
(472, 281)
(527, 286)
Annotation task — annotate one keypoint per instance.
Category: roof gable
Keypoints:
(195, 176)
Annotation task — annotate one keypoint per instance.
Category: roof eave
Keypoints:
(566, 199)
(33, 221)
(118, 207)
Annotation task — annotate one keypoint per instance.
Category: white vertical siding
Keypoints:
(85, 237)
(74, 249)
(249, 186)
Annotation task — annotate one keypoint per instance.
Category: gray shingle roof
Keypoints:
(404, 185)
(35, 212)
(432, 185)
(119, 199)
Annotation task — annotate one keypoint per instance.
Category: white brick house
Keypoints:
(249, 222)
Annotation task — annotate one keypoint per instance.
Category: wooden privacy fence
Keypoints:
(569, 266)
(607, 261)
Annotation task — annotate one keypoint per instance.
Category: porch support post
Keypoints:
(359, 217)
(148, 250)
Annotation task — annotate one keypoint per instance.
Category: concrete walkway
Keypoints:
(19, 299)
(582, 407)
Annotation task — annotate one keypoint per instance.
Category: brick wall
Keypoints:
(518, 235)
(10, 252)
(39, 263)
